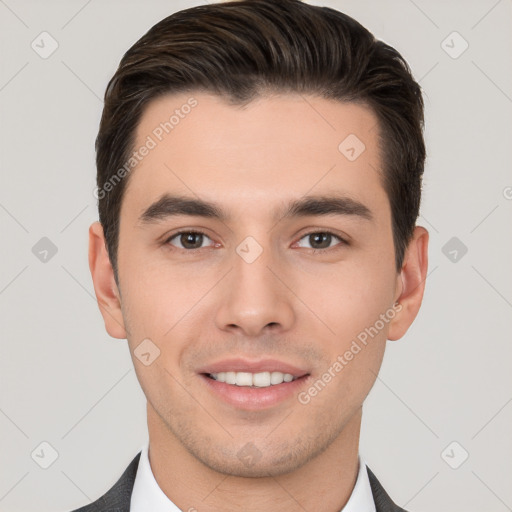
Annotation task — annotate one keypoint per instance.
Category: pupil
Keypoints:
(325, 236)
(189, 238)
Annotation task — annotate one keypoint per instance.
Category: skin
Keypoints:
(203, 305)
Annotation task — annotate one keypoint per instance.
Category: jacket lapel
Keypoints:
(117, 499)
(383, 503)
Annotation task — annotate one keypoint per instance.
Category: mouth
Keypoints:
(253, 385)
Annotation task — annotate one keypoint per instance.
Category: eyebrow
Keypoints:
(319, 205)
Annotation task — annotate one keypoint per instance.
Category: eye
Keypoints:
(193, 240)
(321, 240)
(188, 240)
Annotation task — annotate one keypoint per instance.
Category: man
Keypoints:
(259, 180)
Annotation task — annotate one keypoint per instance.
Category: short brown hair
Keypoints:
(244, 48)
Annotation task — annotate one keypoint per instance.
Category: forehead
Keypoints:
(248, 156)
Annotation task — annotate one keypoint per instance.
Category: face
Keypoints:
(236, 293)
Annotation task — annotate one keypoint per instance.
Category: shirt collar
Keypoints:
(147, 495)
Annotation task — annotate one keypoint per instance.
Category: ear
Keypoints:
(411, 283)
(105, 287)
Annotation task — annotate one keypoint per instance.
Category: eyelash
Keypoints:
(314, 251)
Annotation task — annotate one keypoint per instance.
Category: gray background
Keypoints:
(65, 382)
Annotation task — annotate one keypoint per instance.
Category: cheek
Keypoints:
(351, 299)
(155, 294)
(162, 304)
(353, 306)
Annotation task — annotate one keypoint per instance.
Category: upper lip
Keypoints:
(245, 365)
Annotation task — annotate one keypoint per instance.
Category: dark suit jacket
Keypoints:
(117, 499)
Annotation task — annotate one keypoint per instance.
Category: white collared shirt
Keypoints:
(147, 495)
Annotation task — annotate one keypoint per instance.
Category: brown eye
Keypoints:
(322, 240)
(188, 240)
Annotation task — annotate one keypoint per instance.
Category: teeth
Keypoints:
(259, 380)
(230, 378)
(243, 379)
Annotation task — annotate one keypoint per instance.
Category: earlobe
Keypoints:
(413, 276)
(105, 287)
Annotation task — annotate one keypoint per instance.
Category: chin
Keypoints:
(251, 461)
(232, 466)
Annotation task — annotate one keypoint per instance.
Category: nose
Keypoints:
(255, 297)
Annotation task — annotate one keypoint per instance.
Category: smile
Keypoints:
(258, 380)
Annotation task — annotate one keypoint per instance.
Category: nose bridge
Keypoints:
(253, 297)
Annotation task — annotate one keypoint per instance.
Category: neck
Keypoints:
(324, 483)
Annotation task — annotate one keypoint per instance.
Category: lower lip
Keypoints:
(253, 398)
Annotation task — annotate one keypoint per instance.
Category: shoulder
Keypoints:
(383, 503)
(117, 498)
